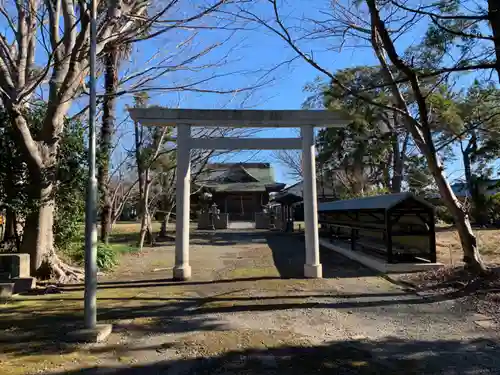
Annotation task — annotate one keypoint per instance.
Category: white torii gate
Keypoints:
(183, 119)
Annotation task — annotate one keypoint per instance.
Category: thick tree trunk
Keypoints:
(107, 129)
(468, 240)
(38, 238)
(38, 233)
(10, 224)
(494, 19)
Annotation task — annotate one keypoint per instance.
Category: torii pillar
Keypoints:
(182, 269)
(312, 267)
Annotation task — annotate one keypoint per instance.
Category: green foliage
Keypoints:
(368, 193)
(107, 256)
(494, 209)
(70, 193)
(71, 175)
(13, 187)
(418, 178)
(443, 215)
(362, 149)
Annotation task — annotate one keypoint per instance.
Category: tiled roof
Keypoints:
(238, 177)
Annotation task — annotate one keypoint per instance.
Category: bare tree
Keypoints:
(61, 30)
(421, 131)
(346, 22)
(291, 160)
(149, 142)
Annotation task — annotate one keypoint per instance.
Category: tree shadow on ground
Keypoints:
(383, 357)
(289, 255)
(158, 283)
(29, 330)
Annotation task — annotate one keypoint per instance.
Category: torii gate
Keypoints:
(183, 119)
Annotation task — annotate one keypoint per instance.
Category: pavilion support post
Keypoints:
(282, 213)
(388, 240)
(312, 268)
(182, 269)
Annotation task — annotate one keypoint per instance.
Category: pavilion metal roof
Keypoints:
(379, 202)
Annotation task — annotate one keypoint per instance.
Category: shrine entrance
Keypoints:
(184, 119)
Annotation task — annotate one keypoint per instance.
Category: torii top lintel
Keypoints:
(237, 117)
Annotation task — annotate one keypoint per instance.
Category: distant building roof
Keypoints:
(323, 189)
(239, 177)
(378, 202)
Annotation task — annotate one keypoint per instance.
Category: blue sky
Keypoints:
(241, 63)
(255, 51)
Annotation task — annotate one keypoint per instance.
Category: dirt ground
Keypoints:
(449, 250)
(247, 310)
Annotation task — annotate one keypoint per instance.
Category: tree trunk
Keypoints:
(397, 172)
(468, 240)
(38, 234)
(107, 129)
(146, 232)
(10, 225)
(38, 237)
(164, 223)
(494, 19)
(422, 136)
(468, 172)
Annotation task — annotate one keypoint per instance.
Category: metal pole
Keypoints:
(90, 310)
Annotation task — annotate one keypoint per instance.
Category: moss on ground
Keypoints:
(249, 272)
(31, 326)
(215, 343)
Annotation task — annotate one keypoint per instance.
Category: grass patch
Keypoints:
(123, 248)
(123, 240)
(242, 272)
(107, 255)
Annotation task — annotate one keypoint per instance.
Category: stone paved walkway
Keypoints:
(248, 311)
(242, 225)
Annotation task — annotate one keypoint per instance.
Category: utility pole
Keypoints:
(90, 309)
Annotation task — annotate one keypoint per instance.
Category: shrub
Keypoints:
(107, 257)
(494, 209)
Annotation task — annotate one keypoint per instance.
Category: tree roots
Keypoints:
(53, 268)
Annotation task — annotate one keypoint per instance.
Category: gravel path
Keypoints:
(247, 311)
